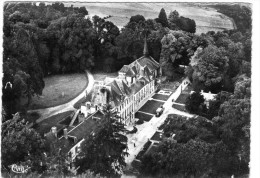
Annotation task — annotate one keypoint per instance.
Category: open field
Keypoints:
(55, 86)
(206, 18)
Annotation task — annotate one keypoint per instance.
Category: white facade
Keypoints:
(130, 105)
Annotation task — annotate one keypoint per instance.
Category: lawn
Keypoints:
(59, 120)
(182, 98)
(142, 116)
(161, 97)
(150, 106)
(179, 107)
(59, 89)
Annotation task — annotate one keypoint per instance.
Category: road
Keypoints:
(147, 129)
(48, 112)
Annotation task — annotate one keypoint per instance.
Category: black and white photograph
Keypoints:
(137, 89)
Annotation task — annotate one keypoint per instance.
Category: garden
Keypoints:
(161, 97)
(143, 116)
(150, 106)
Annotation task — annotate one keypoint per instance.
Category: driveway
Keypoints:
(147, 129)
(48, 112)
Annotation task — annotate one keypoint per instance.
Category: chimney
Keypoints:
(54, 130)
(81, 117)
(145, 52)
(65, 132)
(88, 104)
(104, 97)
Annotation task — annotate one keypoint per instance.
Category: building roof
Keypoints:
(149, 62)
(82, 131)
(130, 73)
(137, 86)
(134, 69)
(124, 69)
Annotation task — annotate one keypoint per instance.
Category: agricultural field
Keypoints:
(206, 18)
(59, 89)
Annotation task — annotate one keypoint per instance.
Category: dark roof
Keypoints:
(115, 93)
(137, 86)
(124, 69)
(127, 89)
(149, 62)
(85, 128)
(130, 73)
(134, 69)
(144, 80)
(147, 73)
(82, 130)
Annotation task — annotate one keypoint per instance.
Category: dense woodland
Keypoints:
(42, 40)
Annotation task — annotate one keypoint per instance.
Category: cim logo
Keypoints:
(19, 169)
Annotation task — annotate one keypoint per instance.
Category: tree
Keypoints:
(177, 48)
(175, 159)
(186, 24)
(195, 103)
(104, 153)
(214, 105)
(162, 18)
(210, 67)
(83, 10)
(21, 144)
(137, 18)
(172, 19)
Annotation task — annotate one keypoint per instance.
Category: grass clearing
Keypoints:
(143, 116)
(59, 89)
(150, 106)
(57, 120)
(182, 98)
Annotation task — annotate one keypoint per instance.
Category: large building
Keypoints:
(126, 93)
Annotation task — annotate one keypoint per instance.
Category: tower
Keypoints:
(145, 52)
